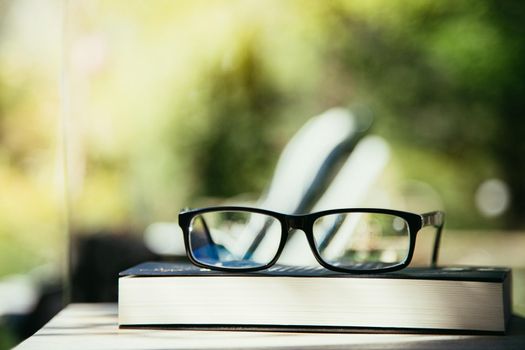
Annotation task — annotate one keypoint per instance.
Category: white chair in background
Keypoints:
(348, 189)
(304, 177)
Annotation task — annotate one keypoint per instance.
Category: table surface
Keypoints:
(94, 326)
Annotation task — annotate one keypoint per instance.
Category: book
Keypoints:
(180, 295)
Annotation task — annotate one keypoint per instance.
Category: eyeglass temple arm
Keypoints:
(437, 220)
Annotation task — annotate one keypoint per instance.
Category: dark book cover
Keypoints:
(460, 273)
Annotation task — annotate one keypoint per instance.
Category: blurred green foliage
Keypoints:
(6, 339)
(241, 104)
(170, 103)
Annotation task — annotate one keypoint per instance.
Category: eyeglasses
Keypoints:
(346, 240)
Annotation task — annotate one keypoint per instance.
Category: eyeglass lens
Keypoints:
(234, 239)
(362, 241)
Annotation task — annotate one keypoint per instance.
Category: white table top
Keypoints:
(94, 326)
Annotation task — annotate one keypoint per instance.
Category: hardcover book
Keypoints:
(465, 299)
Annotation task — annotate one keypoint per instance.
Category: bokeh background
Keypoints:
(114, 115)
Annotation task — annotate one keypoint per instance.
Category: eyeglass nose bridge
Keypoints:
(295, 222)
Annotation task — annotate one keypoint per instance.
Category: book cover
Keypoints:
(160, 294)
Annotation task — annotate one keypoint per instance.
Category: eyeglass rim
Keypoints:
(289, 221)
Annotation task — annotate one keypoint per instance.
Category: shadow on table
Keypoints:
(514, 339)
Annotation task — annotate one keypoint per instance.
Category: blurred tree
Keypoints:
(443, 77)
(509, 101)
(231, 152)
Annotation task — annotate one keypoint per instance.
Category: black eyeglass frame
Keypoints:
(305, 222)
